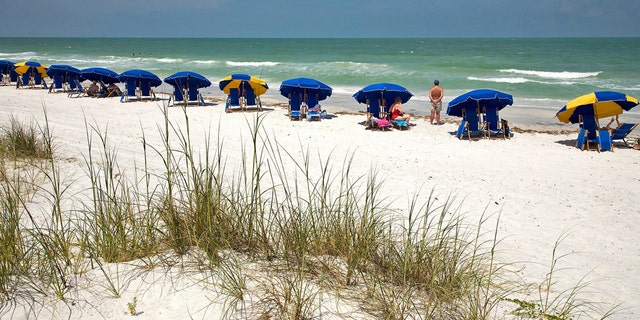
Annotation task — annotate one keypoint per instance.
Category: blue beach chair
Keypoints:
(493, 123)
(470, 125)
(313, 108)
(177, 96)
(129, 90)
(146, 92)
(194, 96)
(295, 106)
(250, 99)
(375, 116)
(602, 138)
(233, 100)
(622, 132)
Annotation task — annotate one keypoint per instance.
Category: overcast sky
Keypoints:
(320, 18)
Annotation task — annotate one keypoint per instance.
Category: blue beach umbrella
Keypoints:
(187, 78)
(100, 74)
(602, 104)
(63, 69)
(386, 91)
(139, 75)
(6, 67)
(479, 98)
(305, 86)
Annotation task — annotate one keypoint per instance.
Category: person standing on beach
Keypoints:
(436, 93)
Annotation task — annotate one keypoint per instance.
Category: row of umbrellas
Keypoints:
(602, 104)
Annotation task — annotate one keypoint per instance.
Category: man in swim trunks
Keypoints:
(436, 93)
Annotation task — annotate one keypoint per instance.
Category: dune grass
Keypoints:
(313, 237)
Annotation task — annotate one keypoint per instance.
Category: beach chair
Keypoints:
(129, 92)
(375, 117)
(295, 107)
(492, 123)
(312, 107)
(145, 91)
(622, 132)
(24, 81)
(71, 83)
(38, 81)
(177, 97)
(75, 89)
(470, 125)
(233, 100)
(194, 96)
(58, 83)
(250, 99)
(506, 128)
(594, 135)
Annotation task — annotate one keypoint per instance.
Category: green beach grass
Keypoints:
(270, 245)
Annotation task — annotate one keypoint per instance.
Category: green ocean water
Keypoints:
(538, 72)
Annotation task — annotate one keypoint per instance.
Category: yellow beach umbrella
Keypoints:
(29, 66)
(239, 80)
(602, 104)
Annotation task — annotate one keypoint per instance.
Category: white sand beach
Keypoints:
(539, 185)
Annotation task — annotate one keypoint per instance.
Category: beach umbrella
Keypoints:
(31, 67)
(602, 104)
(238, 80)
(6, 66)
(479, 98)
(100, 74)
(187, 79)
(62, 69)
(139, 75)
(305, 86)
(386, 91)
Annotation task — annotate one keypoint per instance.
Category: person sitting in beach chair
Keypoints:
(93, 90)
(399, 118)
(113, 90)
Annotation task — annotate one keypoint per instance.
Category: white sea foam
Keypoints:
(553, 75)
(16, 55)
(205, 61)
(168, 60)
(501, 80)
(252, 64)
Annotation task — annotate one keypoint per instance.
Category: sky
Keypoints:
(320, 18)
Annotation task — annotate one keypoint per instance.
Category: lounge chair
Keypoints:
(622, 132)
(375, 117)
(492, 123)
(25, 81)
(145, 91)
(312, 107)
(39, 81)
(177, 97)
(58, 83)
(129, 92)
(233, 100)
(470, 125)
(250, 99)
(75, 89)
(592, 134)
(194, 96)
(295, 107)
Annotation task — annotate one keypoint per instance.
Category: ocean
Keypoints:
(542, 74)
